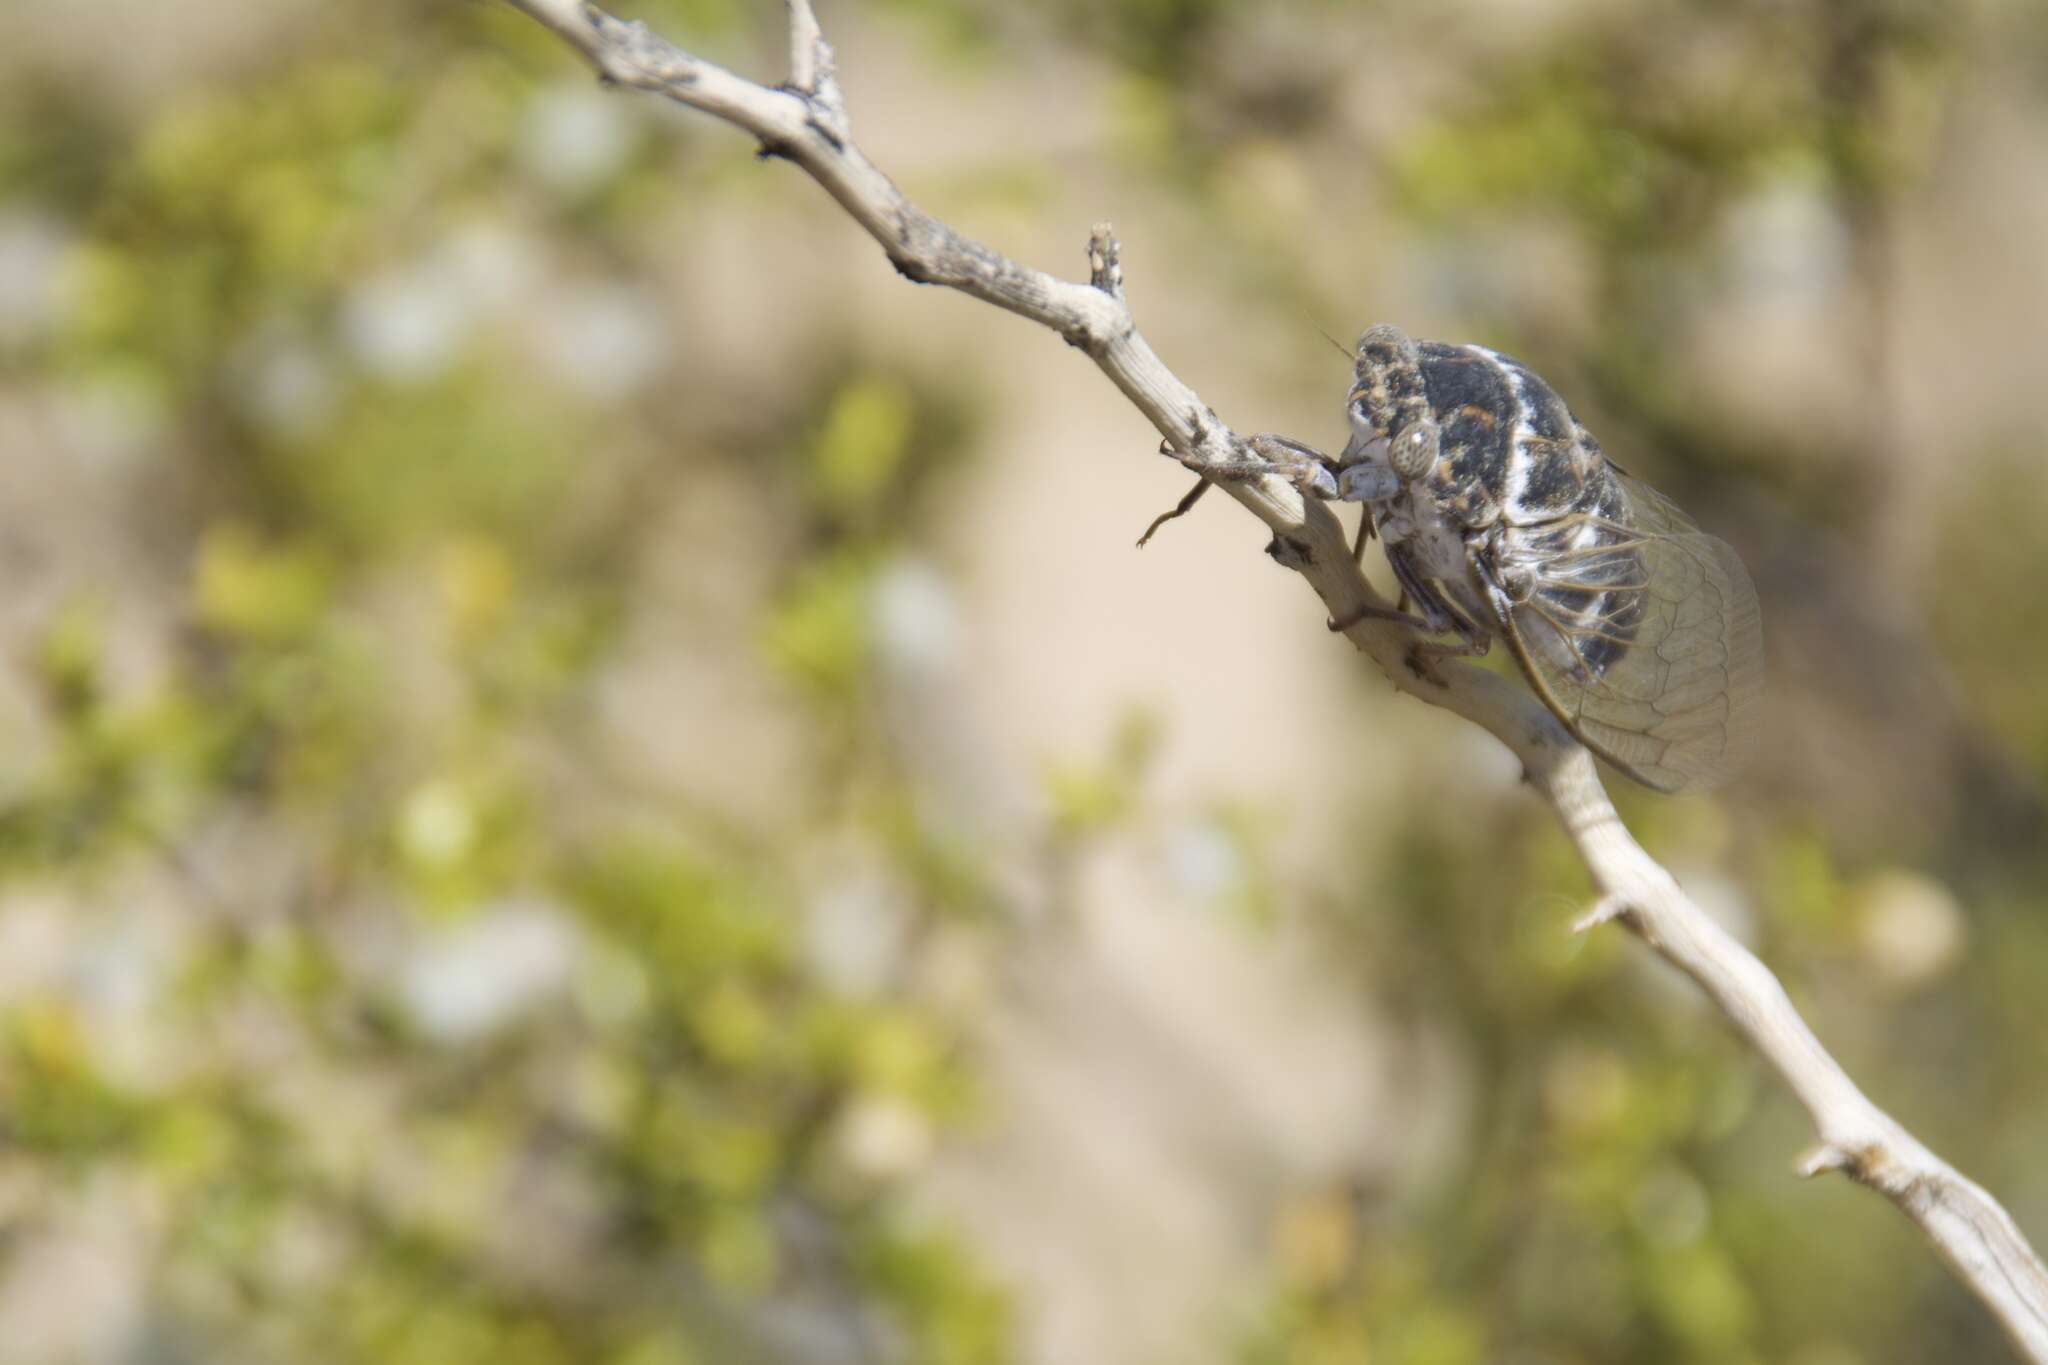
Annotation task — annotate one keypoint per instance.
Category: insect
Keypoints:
(1502, 517)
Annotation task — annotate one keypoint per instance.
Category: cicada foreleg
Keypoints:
(1472, 641)
(1307, 468)
(1435, 614)
(1425, 655)
(1179, 509)
(1432, 618)
(1364, 534)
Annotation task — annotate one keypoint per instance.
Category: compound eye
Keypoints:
(1414, 451)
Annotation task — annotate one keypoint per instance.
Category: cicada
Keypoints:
(1502, 517)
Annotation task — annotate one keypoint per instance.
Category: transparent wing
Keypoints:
(1642, 634)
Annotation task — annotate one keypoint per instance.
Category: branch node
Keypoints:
(1289, 553)
(1823, 1158)
(1608, 907)
(1105, 262)
(911, 269)
(814, 76)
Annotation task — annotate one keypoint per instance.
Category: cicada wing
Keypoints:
(1642, 633)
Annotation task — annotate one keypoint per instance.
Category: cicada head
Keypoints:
(1388, 392)
(1391, 421)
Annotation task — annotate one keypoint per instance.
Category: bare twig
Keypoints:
(813, 75)
(805, 121)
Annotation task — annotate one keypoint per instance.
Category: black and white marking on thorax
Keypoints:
(1501, 516)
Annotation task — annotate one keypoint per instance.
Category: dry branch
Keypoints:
(805, 121)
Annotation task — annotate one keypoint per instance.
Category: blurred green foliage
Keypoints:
(339, 1172)
(688, 1093)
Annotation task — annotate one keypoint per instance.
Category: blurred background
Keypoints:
(587, 776)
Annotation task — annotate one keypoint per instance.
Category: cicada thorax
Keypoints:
(1511, 459)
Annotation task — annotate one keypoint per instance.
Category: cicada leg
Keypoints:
(1378, 613)
(1425, 655)
(1434, 617)
(1435, 614)
(1179, 509)
(1364, 534)
(1307, 468)
(1473, 640)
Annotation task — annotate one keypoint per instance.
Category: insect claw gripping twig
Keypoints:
(1261, 456)
(1307, 468)
(1426, 657)
(1422, 662)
